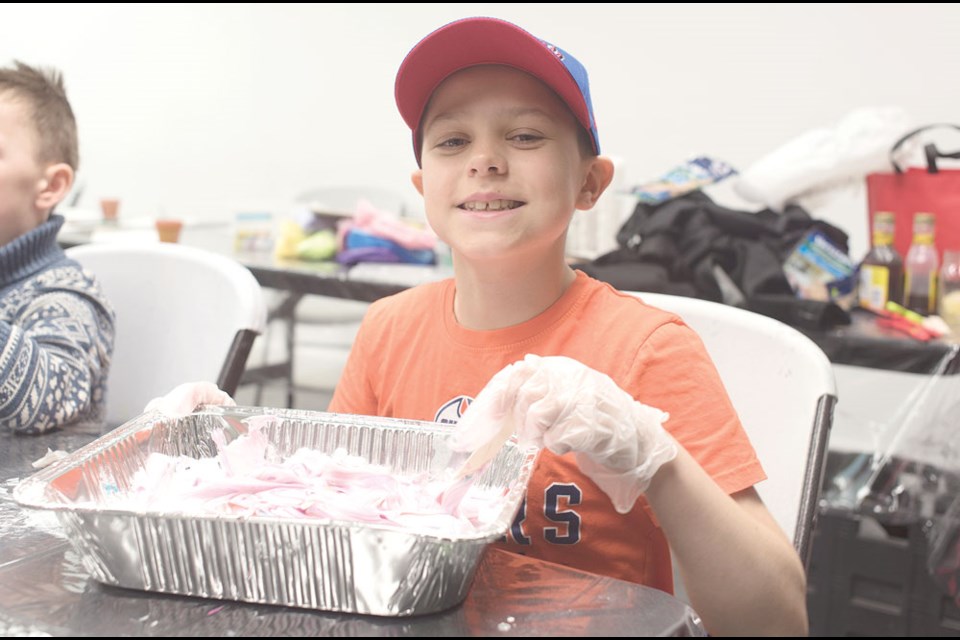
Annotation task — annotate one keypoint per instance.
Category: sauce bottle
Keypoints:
(881, 270)
(921, 266)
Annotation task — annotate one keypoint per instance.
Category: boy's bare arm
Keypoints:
(740, 571)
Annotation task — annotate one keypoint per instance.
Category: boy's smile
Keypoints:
(490, 204)
(502, 164)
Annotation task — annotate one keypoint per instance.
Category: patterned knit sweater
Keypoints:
(56, 336)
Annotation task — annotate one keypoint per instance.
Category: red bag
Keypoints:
(932, 189)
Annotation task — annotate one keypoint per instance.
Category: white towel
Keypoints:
(826, 158)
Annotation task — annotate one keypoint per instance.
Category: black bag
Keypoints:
(691, 246)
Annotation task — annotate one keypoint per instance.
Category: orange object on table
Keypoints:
(169, 229)
(110, 208)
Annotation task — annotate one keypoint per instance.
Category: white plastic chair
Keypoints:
(182, 314)
(783, 387)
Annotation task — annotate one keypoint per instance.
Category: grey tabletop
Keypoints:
(46, 590)
(365, 282)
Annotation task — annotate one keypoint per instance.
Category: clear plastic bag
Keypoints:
(943, 559)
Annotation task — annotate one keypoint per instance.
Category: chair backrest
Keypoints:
(783, 387)
(183, 314)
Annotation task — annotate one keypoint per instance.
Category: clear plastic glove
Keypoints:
(187, 397)
(562, 404)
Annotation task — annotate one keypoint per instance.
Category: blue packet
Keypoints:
(819, 270)
(693, 174)
(359, 239)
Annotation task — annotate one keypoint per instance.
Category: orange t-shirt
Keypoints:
(412, 360)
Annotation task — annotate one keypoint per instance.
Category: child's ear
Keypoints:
(56, 183)
(417, 179)
(598, 178)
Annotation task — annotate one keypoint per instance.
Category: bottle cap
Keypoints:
(883, 217)
(884, 224)
(923, 227)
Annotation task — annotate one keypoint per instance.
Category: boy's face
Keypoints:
(22, 175)
(502, 170)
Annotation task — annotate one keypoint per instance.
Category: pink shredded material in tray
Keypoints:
(246, 479)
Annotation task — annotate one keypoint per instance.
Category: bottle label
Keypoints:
(874, 289)
(882, 238)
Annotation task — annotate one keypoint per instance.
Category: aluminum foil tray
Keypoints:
(319, 564)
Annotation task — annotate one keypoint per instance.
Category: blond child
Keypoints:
(506, 139)
(56, 327)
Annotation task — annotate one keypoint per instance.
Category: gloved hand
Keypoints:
(187, 397)
(562, 404)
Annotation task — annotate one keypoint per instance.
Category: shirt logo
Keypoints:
(452, 410)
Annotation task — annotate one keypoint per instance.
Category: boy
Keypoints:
(504, 134)
(56, 328)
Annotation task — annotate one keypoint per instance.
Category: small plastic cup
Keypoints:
(169, 229)
(110, 208)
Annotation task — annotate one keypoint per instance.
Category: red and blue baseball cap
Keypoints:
(475, 41)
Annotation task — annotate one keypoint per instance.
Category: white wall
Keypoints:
(203, 110)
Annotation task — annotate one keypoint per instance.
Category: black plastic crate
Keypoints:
(868, 579)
